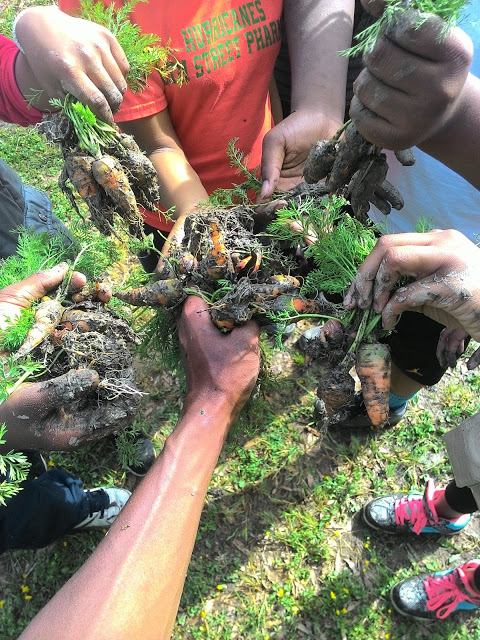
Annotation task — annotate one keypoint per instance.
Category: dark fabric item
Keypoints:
(476, 578)
(460, 498)
(22, 206)
(149, 259)
(413, 345)
(45, 509)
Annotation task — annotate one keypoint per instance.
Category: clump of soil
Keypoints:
(91, 336)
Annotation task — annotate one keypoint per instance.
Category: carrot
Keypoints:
(373, 366)
(76, 319)
(187, 263)
(390, 193)
(319, 161)
(405, 157)
(79, 171)
(47, 316)
(108, 172)
(219, 250)
(162, 293)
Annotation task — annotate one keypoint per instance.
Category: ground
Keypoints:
(282, 551)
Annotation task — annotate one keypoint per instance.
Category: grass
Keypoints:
(281, 552)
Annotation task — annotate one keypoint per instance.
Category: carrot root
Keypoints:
(373, 366)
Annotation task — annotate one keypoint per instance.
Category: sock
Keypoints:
(398, 402)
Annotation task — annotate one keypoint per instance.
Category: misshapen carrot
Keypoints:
(373, 366)
(108, 172)
(162, 293)
(47, 316)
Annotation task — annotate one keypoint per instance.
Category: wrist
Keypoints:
(18, 33)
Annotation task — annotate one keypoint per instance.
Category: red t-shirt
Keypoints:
(229, 51)
(13, 106)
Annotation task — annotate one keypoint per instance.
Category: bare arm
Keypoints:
(317, 31)
(131, 586)
(180, 185)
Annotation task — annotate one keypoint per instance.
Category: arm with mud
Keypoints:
(131, 585)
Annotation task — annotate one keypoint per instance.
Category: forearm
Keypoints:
(456, 143)
(317, 31)
(131, 586)
(180, 186)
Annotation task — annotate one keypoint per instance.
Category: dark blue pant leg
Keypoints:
(45, 509)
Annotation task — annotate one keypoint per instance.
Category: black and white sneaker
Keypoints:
(105, 505)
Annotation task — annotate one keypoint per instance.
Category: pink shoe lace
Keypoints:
(446, 592)
(417, 511)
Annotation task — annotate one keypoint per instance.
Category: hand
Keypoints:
(444, 266)
(411, 70)
(217, 363)
(286, 147)
(70, 55)
(20, 295)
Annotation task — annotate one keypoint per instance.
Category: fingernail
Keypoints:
(265, 189)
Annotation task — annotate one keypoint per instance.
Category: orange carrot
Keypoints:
(373, 366)
(108, 172)
(219, 250)
(47, 316)
(162, 293)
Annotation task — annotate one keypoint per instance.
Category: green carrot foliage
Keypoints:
(447, 10)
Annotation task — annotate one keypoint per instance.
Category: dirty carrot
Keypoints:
(219, 250)
(79, 171)
(373, 366)
(162, 293)
(336, 390)
(47, 316)
(108, 172)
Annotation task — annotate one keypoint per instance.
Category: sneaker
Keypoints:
(144, 456)
(401, 513)
(105, 505)
(358, 418)
(436, 595)
(274, 328)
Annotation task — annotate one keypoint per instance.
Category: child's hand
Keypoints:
(443, 268)
(412, 81)
(286, 147)
(70, 55)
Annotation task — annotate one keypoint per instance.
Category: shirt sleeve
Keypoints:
(13, 106)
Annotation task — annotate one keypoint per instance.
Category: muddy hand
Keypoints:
(37, 416)
(286, 147)
(444, 267)
(412, 69)
(70, 55)
(20, 295)
(217, 363)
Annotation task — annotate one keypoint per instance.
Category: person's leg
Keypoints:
(22, 206)
(52, 505)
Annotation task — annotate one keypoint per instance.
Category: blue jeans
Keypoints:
(22, 206)
(46, 508)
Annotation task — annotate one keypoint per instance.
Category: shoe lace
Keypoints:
(445, 593)
(410, 509)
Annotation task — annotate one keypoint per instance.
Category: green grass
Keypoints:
(281, 550)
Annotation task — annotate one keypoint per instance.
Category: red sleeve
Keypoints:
(13, 106)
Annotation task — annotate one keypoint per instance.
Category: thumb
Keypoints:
(273, 155)
(36, 286)
(41, 398)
